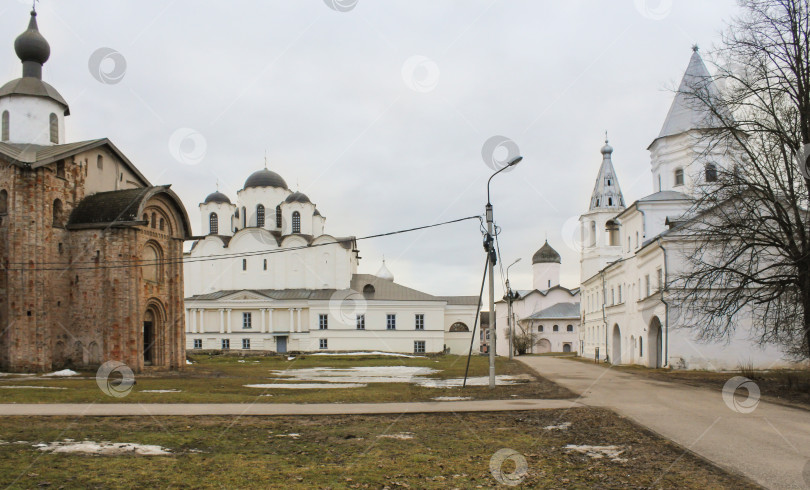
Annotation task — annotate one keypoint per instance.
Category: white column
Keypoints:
(188, 321)
(261, 313)
(192, 319)
(270, 319)
(222, 320)
(201, 328)
(300, 326)
(292, 320)
(229, 320)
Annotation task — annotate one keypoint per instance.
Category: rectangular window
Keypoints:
(647, 284)
(361, 322)
(226, 344)
(660, 279)
(323, 344)
(198, 343)
(390, 321)
(418, 346)
(247, 320)
(420, 321)
(323, 322)
(612, 296)
(620, 293)
(245, 344)
(265, 264)
(244, 264)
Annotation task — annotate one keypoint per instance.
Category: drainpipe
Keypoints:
(604, 315)
(666, 306)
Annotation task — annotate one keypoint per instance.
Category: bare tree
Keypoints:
(748, 232)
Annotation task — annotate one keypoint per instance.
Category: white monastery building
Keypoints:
(549, 311)
(630, 253)
(266, 277)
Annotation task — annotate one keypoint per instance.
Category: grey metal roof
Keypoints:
(687, 111)
(35, 156)
(665, 196)
(34, 87)
(265, 178)
(606, 191)
(383, 291)
(121, 208)
(217, 197)
(297, 197)
(545, 255)
(557, 311)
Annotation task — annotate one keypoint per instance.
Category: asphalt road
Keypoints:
(770, 444)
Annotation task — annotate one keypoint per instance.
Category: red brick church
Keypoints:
(90, 251)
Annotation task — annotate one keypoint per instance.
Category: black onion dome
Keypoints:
(546, 255)
(31, 45)
(265, 178)
(298, 197)
(217, 197)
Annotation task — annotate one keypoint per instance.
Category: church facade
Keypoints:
(91, 251)
(266, 277)
(630, 255)
(548, 312)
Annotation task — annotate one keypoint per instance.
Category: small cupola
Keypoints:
(384, 273)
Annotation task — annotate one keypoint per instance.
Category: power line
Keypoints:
(121, 264)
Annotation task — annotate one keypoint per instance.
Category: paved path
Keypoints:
(124, 409)
(770, 445)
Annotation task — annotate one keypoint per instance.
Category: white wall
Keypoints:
(30, 119)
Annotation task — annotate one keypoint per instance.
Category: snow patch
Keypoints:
(305, 386)
(189, 362)
(105, 448)
(17, 387)
(458, 382)
(402, 436)
(562, 426)
(293, 435)
(162, 391)
(364, 374)
(64, 372)
(451, 398)
(598, 452)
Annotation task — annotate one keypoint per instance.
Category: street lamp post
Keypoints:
(509, 323)
(490, 246)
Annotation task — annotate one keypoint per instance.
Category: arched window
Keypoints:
(57, 213)
(368, 291)
(154, 221)
(6, 129)
(278, 216)
(3, 201)
(162, 224)
(260, 216)
(459, 327)
(151, 262)
(592, 238)
(569, 328)
(296, 222)
(54, 128)
(244, 217)
(556, 328)
(678, 176)
(711, 172)
(213, 224)
(60, 169)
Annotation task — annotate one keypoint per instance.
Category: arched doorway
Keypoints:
(543, 346)
(616, 352)
(566, 347)
(149, 324)
(655, 344)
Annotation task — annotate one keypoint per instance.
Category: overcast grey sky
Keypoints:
(379, 112)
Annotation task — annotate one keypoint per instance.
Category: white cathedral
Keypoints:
(631, 253)
(266, 277)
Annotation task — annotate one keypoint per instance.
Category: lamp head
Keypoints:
(514, 161)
